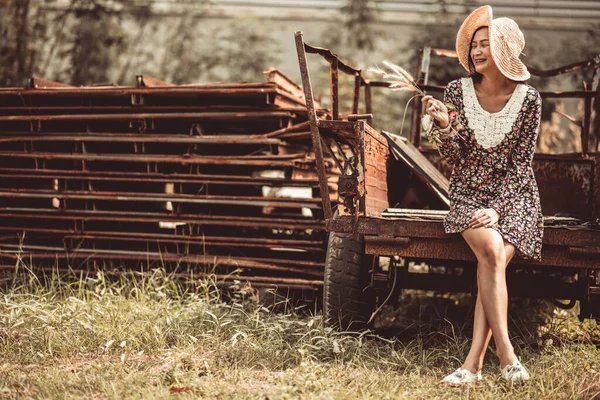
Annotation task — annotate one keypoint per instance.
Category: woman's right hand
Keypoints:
(437, 110)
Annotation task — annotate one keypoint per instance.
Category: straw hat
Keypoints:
(506, 42)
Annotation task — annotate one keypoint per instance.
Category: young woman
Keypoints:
(488, 133)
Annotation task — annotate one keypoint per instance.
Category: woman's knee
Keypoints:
(488, 246)
(492, 255)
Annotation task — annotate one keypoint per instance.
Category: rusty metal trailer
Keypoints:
(210, 180)
(393, 195)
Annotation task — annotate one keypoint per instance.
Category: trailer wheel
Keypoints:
(596, 308)
(589, 307)
(348, 301)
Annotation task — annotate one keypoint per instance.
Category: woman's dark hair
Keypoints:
(472, 72)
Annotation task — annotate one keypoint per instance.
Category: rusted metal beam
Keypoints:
(358, 117)
(569, 95)
(443, 52)
(329, 56)
(356, 97)
(596, 190)
(41, 252)
(333, 83)
(148, 81)
(296, 135)
(314, 128)
(23, 214)
(417, 108)
(132, 116)
(206, 242)
(292, 128)
(226, 88)
(152, 197)
(40, 83)
(263, 262)
(546, 287)
(214, 179)
(287, 160)
(415, 227)
(231, 279)
(309, 245)
(20, 251)
(82, 110)
(135, 137)
(595, 61)
(587, 121)
(284, 82)
(458, 250)
(373, 84)
(369, 102)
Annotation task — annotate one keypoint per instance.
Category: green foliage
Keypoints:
(246, 51)
(358, 42)
(360, 19)
(88, 42)
(97, 39)
(545, 54)
(24, 30)
(440, 35)
(239, 51)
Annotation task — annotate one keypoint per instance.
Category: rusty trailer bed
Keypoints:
(419, 234)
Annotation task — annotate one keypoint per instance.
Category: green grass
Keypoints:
(145, 336)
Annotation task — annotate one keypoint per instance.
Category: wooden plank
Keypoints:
(424, 170)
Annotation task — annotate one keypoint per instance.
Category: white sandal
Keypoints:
(515, 372)
(461, 376)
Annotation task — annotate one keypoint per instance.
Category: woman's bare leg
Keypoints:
(493, 254)
(481, 329)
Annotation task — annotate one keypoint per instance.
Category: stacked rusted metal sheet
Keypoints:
(208, 178)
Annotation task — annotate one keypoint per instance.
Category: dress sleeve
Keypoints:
(450, 147)
(519, 174)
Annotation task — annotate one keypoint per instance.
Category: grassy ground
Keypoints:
(153, 337)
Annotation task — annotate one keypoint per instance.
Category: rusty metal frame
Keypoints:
(312, 117)
(572, 248)
(587, 95)
(419, 238)
(346, 165)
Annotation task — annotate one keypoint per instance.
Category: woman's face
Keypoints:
(481, 55)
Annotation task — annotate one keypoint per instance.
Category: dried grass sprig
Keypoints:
(398, 78)
(401, 81)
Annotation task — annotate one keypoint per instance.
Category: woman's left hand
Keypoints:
(486, 217)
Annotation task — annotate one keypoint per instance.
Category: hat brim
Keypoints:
(480, 17)
(506, 61)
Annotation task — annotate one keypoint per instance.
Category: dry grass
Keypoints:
(153, 337)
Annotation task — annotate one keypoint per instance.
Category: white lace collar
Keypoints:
(491, 128)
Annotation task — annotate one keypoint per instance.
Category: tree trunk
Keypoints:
(22, 39)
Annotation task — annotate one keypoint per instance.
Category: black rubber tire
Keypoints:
(348, 301)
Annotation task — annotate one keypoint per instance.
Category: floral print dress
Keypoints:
(491, 155)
